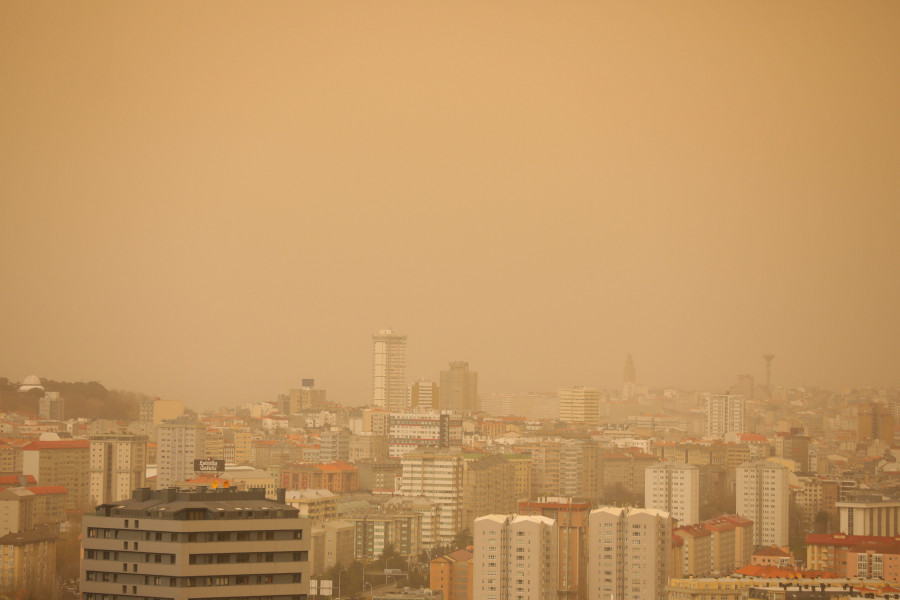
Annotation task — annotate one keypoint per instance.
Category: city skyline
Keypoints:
(211, 208)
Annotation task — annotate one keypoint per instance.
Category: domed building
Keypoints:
(32, 382)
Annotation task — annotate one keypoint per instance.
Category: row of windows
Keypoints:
(216, 580)
(200, 536)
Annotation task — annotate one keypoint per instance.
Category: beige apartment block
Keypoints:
(630, 550)
(118, 465)
(515, 558)
(61, 462)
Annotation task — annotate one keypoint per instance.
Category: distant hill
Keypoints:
(83, 400)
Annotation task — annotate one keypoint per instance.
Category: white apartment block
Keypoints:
(629, 553)
(431, 429)
(438, 477)
(178, 443)
(579, 405)
(763, 496)
(724, 414)
(118, 465)
(515, 558)
(674, 488)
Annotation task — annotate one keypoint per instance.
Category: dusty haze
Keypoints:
(210, 200)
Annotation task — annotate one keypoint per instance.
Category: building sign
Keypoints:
(209, 465)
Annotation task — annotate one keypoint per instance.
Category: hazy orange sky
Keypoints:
(210, 200)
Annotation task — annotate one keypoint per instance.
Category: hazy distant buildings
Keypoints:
(515, 558)
(674, 488)
(431, 429)
(875, 422)
(424, 394)
(389, 370)
(629, 553)
(459, 388)
(52, 407)
(724, 414)
(529, 405)
(763, 497)
(580, 405)
(306, 397)
(154, 411)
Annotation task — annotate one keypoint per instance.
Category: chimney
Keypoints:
(281, 495)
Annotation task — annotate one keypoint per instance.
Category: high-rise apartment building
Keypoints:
(459, 388)
(61, 462)
(195, 544)
(389, 370)
(724, 414)
(629, 553)
(572, 520)
(424, 394)
(437, 476)
(674, 488)
(763, 496)
(178, 443)
(515, 558)
(118, 465)
(580, 405)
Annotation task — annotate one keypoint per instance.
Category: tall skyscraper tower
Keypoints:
(768, 358)
(630, 373)
(459, 388)
(389, 385)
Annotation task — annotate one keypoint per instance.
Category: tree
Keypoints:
(462, 539)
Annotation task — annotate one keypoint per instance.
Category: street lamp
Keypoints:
(339, 583)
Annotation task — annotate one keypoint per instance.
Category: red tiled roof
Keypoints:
(14, 479)
(692, 530)
(59, 445)
(738, 520)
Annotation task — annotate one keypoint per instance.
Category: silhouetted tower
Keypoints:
(768, 358)
(629, 371)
